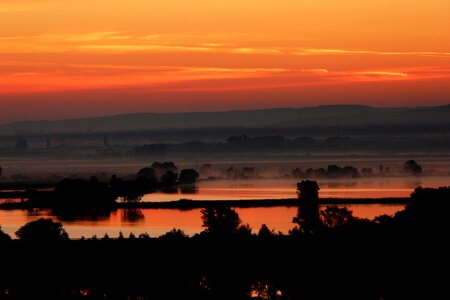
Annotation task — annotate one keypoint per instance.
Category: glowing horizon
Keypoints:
(68, 58)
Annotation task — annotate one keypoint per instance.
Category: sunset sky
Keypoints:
(77, 58)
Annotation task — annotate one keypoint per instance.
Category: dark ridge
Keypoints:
(342, 115)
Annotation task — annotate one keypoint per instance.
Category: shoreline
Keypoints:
(185, 204)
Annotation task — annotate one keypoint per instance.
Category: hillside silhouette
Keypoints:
(342, 115)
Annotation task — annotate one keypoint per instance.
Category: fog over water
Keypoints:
(286, 188)
(271, 183)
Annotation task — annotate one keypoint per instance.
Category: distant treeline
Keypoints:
(82, 194)
(165, 177)
(239, 141)
(410, 167)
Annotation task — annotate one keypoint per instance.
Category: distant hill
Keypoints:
(145, 121)
(342, 115)
(324, 115)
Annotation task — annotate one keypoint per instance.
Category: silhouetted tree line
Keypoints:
(426, 212)
(398, 257)
(240, 173)
(75, 193)
(278, 143)
(410, 167)
(332, 171)
(86, 194)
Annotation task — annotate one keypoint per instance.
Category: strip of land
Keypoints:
(195, 204)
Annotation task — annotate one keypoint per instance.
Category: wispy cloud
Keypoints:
(149, 48)
(110, 41)
(370, 52)
(95, 36)
(383, 73)
(43, 77)
(256, 51)
(81, 77)
(123, 42)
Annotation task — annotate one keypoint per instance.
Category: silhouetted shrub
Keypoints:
(412, 167)
(4, 236)
(42, 230)
(264, 232)
(223, 222)
(162, 168)
(146, 179)
(333, 216)
(82, 193)
(174, 234)
(308, 190)
(169, 179)
(188, 176)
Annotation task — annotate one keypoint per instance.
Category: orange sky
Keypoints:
(74, 58)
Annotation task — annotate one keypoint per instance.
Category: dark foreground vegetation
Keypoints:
(329, 254)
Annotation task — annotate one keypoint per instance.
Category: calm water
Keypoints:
(158, 221)
(278, 189)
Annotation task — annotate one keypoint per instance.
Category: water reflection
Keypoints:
(75, 215)
(169, 190)
(132, 215)
(189, 189)
(279, 189)
(156, 222)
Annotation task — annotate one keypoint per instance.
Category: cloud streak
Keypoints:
(126, 42)
(306, 52)
(43, 77)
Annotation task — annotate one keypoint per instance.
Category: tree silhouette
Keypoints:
(427, 210)
(162, 168)
(264, 232)
(308, 218)
(174, 234)
(412, 167)
(82, 193)
(146, 179)
(188, 176)
(168, 179)
(4, 236)
(308, 191)
(42, 230)
(333, 216)
(222, 222)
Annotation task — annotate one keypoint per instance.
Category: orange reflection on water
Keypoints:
(249, 193)
(156, 222)
(383, 187)
(280, 218)
(365, 193)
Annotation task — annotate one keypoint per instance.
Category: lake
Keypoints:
(379, 187)
(158, 221)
